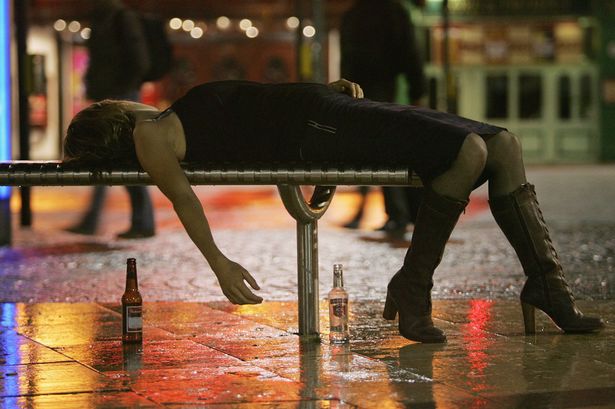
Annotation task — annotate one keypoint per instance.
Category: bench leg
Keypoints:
(307, 278)
(5, 221)
(307, 213)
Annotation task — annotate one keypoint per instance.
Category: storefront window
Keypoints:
(530, 96)
(497, 96)
(564, 97)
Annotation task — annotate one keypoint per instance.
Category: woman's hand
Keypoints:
(350, 88)
(232, 278)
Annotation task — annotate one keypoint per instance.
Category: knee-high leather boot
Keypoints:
(519, 216)
(409, 291)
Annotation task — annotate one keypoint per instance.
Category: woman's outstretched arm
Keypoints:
(158, 159)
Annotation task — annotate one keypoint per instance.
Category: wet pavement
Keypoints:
(60, 325)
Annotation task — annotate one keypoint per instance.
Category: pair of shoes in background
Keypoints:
(131, 233)
(394, 230)
(136, 234)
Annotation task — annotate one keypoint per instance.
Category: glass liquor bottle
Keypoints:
(132, 312)
(338, 308)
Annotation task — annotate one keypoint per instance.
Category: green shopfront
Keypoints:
(545, 69)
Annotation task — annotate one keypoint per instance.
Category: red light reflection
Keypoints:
(477, 341)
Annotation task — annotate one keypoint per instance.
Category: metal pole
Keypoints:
(307, 213)
(307, 278)
(21, 29)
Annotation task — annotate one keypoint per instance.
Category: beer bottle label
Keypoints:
(134, 322)
(339, 307)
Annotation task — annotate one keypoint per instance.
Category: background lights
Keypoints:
(223, 22)
(187, 25)
(292, 22)
(252, 32)
(59, 25)
(196, 32)
(309, 31)
(175, 23)
(74, 26)
(245, 24)
(86, 33)
(194, 28)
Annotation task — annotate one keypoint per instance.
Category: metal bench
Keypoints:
(287, 177)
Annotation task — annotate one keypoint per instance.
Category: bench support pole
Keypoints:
(5, 222)
(307, 278)
(307, 213)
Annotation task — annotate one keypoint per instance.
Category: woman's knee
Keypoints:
(505, 147)
(473, 154)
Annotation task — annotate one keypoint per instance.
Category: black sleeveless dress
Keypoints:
(246, 121)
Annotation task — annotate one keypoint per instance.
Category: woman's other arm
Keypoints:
(158, 159)
(347, 87)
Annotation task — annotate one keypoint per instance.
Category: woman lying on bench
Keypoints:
(246, 121)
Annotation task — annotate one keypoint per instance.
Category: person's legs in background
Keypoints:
(401, 204)
(142, 214)
(356, 219)
(89, 221)
(397, 211)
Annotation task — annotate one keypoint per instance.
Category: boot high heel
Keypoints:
(552, 296)
(390, 309)
(529, 321)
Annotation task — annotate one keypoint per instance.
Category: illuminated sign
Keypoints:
(5, 88)
(511, 7)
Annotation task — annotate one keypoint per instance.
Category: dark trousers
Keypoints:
(142, 218)
(401, 204)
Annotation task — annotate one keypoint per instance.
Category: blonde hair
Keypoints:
(101, 133)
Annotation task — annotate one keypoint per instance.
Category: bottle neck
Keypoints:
(131, 277)
(338, 276)
(338, 279)
(132, 284)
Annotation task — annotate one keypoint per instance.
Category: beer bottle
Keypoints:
(132, 321)
(338, 308)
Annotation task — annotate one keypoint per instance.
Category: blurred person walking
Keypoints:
(378, 43)
(118, 62)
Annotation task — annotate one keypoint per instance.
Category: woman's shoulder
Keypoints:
(160, 133)
(149, 128)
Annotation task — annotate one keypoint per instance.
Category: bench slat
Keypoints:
(56, 173)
